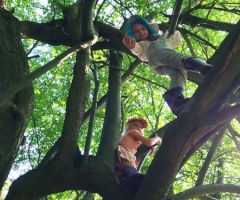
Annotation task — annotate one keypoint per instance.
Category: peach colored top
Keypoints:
(130, 142)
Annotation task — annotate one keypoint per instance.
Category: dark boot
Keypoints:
(197, 64)
(175, 100)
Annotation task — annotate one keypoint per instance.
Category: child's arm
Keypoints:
(134, 47)
(174, 40)
(129, 42)
(146, 141)
(155, 26)
(154, 148)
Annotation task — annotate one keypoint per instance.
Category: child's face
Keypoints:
(140, 31)
(137, 126)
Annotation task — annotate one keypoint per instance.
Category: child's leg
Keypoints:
(174, 97)
(162, 56)
(125, 168)
(175, 100)
(198, 65)
(159, 55)
(128, 170)
(131, 178)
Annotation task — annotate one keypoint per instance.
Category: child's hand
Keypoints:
(155, 26)
(129, 42)
(153, 150)
(159, 140)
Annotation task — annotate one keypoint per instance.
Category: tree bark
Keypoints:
(207, 189)
(111, 126)
(15, 114)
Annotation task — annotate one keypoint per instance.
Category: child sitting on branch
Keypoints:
(128, 145)
(143, 40)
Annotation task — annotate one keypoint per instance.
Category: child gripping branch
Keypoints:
(128, 145)
(143, 40)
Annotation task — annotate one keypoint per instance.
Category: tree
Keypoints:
(95, 95)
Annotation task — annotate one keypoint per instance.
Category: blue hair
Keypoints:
(135, 19)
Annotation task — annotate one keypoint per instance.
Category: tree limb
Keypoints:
(216, 142)
(175, 17)
(75, 107)
(206, 189)
(92, 116)
(125, 77)
(110, 134)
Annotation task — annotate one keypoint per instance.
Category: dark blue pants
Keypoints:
(129, 171)
(131, 179)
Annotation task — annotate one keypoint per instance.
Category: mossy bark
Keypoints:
(14, 115)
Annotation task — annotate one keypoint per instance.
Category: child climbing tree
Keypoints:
(145, 42)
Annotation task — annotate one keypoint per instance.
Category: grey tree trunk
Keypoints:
(14, 115)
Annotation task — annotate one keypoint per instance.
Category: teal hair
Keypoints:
(135, 19)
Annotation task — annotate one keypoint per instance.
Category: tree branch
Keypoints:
(92, 115)
(226, 114)
(210, 24)
(234, 136)
(216, 142)
(75, 107)
(110, 134)
(175, 17)
(125, 77)
(206, 189)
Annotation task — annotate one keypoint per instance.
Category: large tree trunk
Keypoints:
(14, 115)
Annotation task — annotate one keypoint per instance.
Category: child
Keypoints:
(128, 145)
(143, 40)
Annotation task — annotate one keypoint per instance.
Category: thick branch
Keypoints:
(207, 189)
(206, 23)
(15, 114)
(175, 17)
(111, 127)
(13, 89)
(226, 46)
(81, 25)
(125, 77)
(76, 103)
(226, 114)
(93, 176)
(53, 33)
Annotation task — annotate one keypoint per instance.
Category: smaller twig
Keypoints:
(92, 115)
(34, 45)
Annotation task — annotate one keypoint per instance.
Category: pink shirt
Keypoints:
(130, 142)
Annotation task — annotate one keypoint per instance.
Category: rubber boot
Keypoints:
(197, 64)
(175, 100)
